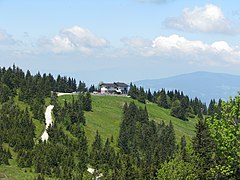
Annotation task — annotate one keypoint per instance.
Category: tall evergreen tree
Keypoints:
(95, 155)
(82, 87)
(162, 99)
(203, 146)
(88, 102)
(149, 95)
(82, 152)
(211, 108)
(178, 111)
(183, 149)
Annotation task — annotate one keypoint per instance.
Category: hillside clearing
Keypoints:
(106, 117)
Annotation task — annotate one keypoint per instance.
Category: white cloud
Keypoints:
(222, 46)
(209, 18)
(61, 44)
(176, 47)
(84, 37)
(6, 39)
(173, 47)
(75, 39)
(175, 42)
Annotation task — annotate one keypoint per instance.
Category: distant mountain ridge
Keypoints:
(201, 84)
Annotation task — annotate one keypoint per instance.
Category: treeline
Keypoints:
(14, 81)
(181, 105)
(33, 89)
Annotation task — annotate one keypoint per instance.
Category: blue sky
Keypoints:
(125, 40)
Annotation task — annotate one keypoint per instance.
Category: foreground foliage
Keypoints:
(225, 132)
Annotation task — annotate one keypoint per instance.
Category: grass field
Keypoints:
(106, 117)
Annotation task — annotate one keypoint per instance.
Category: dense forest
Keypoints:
(145, 149)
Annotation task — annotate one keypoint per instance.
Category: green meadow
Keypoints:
(106, 117)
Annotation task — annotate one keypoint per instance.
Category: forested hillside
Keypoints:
(23, 155)
(120, 138)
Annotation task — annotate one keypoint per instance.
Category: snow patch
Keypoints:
(48, 120)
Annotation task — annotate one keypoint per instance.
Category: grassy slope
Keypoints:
(107, 113)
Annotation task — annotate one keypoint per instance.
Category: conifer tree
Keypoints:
(178, 111)
(92, 89)
(211, 108)
(95, 155)
(82, 87)
(141, 95)
(183, 150)
(88, 102)
(149, 96)
(171, 140)
(162, 99)
(53, 99)
(203, 146)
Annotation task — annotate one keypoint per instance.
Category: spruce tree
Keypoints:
(141, 95)
(95, 155)
(149, 96)
(211, 108)
(203, 146)
(183, 149)
(88, 102)
(178, 111)
(81, 87)
(162, 99)
(82, 151)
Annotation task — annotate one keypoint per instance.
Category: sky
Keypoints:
(125, 40)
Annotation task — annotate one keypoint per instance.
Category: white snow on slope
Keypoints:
(48, 120)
